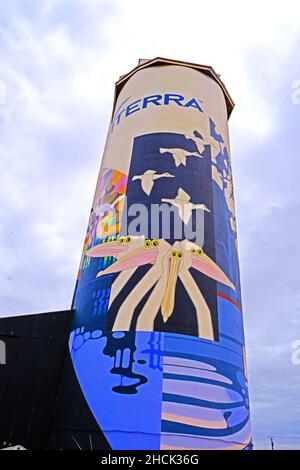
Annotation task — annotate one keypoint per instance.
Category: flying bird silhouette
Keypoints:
(203, 139)
(184, 206)
(214, 132)
(148, 178)
(180, 155)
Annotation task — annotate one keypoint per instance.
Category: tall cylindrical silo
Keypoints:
(157, 342)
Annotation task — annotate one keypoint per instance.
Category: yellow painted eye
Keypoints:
(155, 243)
(179, 254)
(121, 239)
(128, 239)
(193, 250)
(174, 254)
(199, 251)
(147, 243)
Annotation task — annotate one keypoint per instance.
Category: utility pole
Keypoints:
(272, 441)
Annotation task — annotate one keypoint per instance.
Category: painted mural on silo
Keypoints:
(157, 342)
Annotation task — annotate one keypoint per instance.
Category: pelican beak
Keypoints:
(207, 266)
(113, 248)
(167, 305)
(138, 257)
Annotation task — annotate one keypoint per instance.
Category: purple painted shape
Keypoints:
(209, 414)
(178, 361)
(192, 411)
(237, 440)
(206, 374)
(201, 391)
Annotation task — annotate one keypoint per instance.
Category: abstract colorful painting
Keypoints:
(201, 401)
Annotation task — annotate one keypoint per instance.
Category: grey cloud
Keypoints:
(51, 138)
(268, 205)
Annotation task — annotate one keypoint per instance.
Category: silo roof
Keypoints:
(206, 69)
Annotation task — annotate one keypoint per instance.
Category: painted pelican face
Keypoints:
(169, 262)
(174, 264)
(181, 258)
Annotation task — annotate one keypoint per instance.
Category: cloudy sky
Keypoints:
(59, 62)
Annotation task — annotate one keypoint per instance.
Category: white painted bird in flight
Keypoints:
(203, 139)
(180, 155)
(148, 178)
(184, 206)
